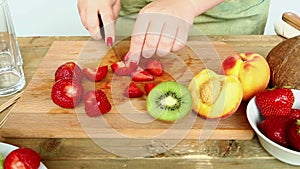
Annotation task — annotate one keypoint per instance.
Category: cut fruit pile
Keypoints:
(169, 102)
(281, 122)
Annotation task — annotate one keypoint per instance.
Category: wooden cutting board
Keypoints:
(36, 116)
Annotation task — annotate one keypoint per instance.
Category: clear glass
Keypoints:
(12, 77)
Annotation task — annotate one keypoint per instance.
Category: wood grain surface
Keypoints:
(36, 116)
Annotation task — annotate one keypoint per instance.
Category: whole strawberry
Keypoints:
(25, 158)
(274, 128)
(294, 134)
(275, 102)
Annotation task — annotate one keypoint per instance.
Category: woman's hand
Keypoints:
(163, 26)
(109, 11)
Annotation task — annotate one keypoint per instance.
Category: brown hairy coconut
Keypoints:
(284, 62)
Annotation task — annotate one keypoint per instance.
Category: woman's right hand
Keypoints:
(108, 10)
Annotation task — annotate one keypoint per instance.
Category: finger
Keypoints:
(108, 25)
(116, 9)
(152, 38)
(181, 36)
(166, 39)
(137, 38)
(92, 23)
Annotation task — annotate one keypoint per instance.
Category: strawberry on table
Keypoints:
(96, 103)
(120, 68)
(96, 74)
(67, 93)
(274, 127)
(133, 91)
(24, 158)
(294, 134)
(275, 102)
(155, 67)
(149, 86)
(141, 75)
(68, 70)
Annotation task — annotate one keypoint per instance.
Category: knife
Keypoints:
(103, 36)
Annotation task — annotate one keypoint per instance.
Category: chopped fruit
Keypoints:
(133, 91)
(68, 70)
(96, 103)
(24, 158)
(293, 134)
(141, 75)
(120, 68)
(67, 93)
(149, 86)
(275, 102)
(275, 129)
(155, 67)
(96, 74)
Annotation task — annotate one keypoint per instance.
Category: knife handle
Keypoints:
(292, 19)
(101, 27)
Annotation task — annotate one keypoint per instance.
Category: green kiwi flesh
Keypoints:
(169, 101)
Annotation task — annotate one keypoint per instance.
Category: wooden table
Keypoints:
(84, 153)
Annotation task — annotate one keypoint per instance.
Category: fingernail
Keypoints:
(109, 41)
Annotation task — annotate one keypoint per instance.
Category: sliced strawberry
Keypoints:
(96, 74)
(96, 103)
(275, 102)
(24, 158)
(68, 70)
(141, 75)
(67, 93)
(133, 91)
(274, 127)
(149, 86)
(120, 68)
(155, 67)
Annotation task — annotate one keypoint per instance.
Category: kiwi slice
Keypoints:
(169, 101)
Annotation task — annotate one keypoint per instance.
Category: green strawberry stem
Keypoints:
(298, 124)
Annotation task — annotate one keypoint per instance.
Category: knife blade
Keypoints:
(102, 32)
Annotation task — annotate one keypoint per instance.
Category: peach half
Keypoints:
(251, 69)
(215, 95)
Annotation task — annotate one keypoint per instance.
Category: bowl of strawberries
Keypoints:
(274, 115)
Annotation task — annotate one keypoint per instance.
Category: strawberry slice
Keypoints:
(155, 67)
(120, 68)
(275, 102)
(68, 70)
(149, 86)
(96, 103)
(96, 74)
(24, 158)
(67, 93)
(141, 75)
(133, 91)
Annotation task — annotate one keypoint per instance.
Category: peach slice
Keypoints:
(214, 95)
(251, 69)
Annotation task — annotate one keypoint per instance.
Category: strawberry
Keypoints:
(120, 68)
(294, 114)
(293, 134)
(133, 91)
(68, 70)
(274, 127)
(141, 75)
(275, 102)
(149, 86)
(155, 67)
(67, 93)
(96, 74)
(96, 103)
(24, 158)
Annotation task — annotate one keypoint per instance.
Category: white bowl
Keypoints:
(281, 153)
